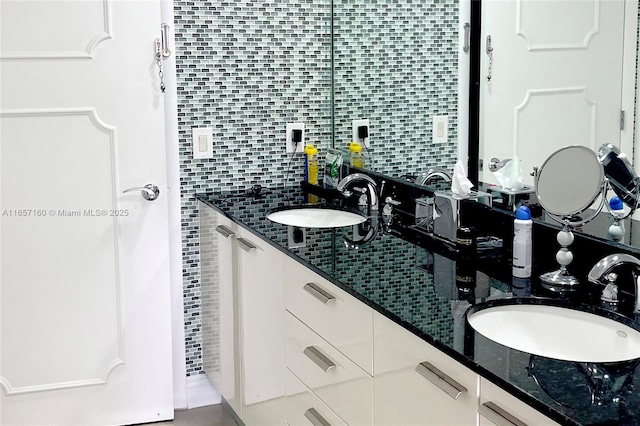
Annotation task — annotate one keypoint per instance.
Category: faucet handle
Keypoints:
(611, 278)
(393, 202)
(610, 293)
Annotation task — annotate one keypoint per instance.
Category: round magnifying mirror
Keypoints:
(569, 182)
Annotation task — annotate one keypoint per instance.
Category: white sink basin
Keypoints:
(556, 332)
(315, 217)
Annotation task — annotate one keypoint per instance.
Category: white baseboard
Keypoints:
(201, 392)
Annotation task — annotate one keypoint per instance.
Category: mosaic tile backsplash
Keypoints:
(247, 68)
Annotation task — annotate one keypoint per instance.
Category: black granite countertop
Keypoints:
(411, 279)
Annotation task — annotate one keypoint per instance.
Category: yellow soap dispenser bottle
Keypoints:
(311, 164)
(355, 152)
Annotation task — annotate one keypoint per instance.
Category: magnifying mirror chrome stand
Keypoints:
(562, 278)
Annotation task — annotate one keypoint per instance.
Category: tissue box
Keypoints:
(446, 211)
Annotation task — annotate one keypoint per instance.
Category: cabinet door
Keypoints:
(260, 281)
(220, 317)
(498, 407)
(416, 384)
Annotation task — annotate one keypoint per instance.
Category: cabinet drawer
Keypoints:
(338, 317)
(416, 384)
(497, 407)
(304, 408)
(336, 380)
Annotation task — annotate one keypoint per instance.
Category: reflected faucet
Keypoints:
(429, 175)
(361, 184)
(603, 273)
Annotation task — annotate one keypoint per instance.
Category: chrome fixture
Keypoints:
(496, 164)
(431, 174)
(349, 185)
(150, 191)
(602, 273)
(387, 212)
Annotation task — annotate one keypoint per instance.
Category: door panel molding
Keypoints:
(37, 50)
(536, 119)
(103, 317)
(579, 42)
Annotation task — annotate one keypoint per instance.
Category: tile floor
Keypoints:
(211, 415)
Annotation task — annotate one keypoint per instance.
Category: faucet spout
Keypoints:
(601, 273)
(370, 188)
(426, 178)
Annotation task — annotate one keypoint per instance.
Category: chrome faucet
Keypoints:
(602, 273)
(425, 178)
(349, 185)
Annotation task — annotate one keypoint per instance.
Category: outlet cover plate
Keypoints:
(354, 131)
(290, 128)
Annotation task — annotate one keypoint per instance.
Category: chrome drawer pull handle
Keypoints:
(318, 358)
(226, 232)
(317, 292)
(441, 380)
(315, 418)
(245, 245)
(497, 415)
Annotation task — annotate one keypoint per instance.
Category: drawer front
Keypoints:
(336, 380)
(498, 407)
(306, 409)
(416, 384)
(338, 317)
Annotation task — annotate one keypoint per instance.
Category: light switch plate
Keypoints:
(440, 128)
(202, 142)
(354, 131)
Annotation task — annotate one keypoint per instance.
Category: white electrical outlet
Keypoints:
(202, 141)
(354, 131)
(440, 128)
(289, 135)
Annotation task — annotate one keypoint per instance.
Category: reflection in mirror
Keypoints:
(620, 173)
(556, 83)
(395, 64)
(566, 185)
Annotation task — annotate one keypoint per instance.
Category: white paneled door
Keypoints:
(555, 78)
(84, 273)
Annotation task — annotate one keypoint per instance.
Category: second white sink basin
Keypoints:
(557, 332)
(315, 217)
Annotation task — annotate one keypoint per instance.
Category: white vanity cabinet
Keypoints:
(417, 384)
(220, 305)
(260, 281)
(289, 347)
(250, 309)
(498, 407)
(329, 348)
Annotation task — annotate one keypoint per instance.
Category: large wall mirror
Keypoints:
(397, 65)
(562, 73)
